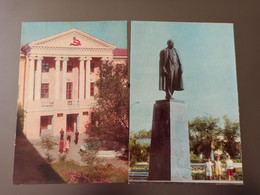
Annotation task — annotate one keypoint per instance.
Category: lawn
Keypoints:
(72, 172)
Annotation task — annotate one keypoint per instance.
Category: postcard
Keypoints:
(70, 126)
(184, 114)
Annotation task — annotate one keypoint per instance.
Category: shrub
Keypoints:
(19, 120)
(195, 159)
(48, 144)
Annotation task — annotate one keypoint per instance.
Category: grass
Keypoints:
(238, 176)
(72, 172)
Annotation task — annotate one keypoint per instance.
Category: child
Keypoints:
(229, 168)
(218, 168)
(209, 169)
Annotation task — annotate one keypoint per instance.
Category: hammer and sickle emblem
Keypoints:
(76, 42)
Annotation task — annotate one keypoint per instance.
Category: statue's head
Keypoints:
(170, 44)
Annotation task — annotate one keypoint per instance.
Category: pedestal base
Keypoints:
(170, 152)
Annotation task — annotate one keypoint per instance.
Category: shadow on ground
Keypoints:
(30, 167)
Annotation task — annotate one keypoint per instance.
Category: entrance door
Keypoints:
(71, 122)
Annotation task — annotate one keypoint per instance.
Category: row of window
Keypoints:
(69, 87)
(46, 67)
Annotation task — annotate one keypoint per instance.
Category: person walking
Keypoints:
(69, 136)
(218, 168)
(61, 145)
(61, 134)
(229, 168)
(76, 137)
(67, 145)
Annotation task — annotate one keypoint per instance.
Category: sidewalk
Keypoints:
(73, 153)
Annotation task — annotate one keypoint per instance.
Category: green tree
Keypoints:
(204, 135)
(110, 119)
(231, 132)
(144, 134)
(48, 144)
(139, 152)
(20, 120)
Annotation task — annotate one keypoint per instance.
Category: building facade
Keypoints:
(57, 81)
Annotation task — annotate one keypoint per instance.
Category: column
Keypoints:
(81, 78)
(64, 77)
(38, 78)
(57, 77)
(31, 78)
(88, 77)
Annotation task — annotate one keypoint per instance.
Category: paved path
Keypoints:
(31, 168)
(74, 151)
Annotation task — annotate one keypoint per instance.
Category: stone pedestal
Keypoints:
(170, 152)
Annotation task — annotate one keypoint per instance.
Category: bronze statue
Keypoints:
(170, 77)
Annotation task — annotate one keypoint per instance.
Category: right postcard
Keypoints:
(184, 113)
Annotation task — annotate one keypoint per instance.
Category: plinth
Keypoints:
(170, 152)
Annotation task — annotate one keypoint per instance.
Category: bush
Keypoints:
(238, 176)
(195, 159)
(19, 120)
(62, 157)
(48, 144)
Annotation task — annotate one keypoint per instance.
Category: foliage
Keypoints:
(203, 134)
(47, 143)
(238, 176)
(139, 152)
(89, 157)
(143, 134)
(71, 172)
(110, 118)
(19, 120)
(195, 159)
(63, 157)
(231, 132)
(206, 134)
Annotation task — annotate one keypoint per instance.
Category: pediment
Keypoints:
(73, 38)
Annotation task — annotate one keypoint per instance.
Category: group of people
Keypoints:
(66, 144)
(217, 168)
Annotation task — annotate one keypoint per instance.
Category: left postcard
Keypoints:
(72, 116)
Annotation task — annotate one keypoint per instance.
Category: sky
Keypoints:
(114, 32)
(207, 55)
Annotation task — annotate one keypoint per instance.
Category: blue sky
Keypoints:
(114, 32)
(208, 57)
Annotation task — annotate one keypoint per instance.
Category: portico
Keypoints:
(58, 79)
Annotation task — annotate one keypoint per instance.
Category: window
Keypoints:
(60, 115)
(69, 67)
(92, 67)
(46, 122)
(69, 90)
(91, 89)
(45, 67)
(45, 90)
(85, 113)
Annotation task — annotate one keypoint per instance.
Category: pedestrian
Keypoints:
(69, 137)
(61, 134)
(76, 137)
(67, 145)
(61, 145)
(229, 168)
(209, 169)
(218, 168)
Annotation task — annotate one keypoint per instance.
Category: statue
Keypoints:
(170, 74)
